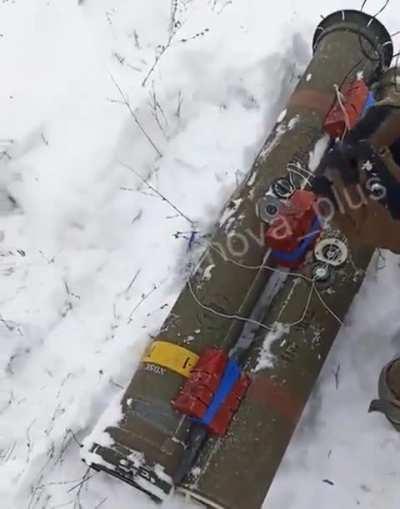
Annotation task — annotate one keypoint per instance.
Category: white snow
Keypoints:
(207, 275)
(282, 116)
(266, 359)
(229, 212)
(317, 153)
(121, 134)
(293, 122)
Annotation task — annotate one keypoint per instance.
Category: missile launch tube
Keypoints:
(145, 447)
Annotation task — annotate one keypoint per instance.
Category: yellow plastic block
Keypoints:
(171, 356)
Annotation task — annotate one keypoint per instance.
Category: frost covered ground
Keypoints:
(95, 97)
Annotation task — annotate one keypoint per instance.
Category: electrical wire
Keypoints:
(297, 166)
(380, 10)
(387, 2)
(305, 311)
(328, 308)
(368, 56)
(224, 315)
(295, 275)
(340, 97)
(296, 172)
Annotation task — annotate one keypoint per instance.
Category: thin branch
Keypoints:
(69, 430)
(143, 298)
(125, 100)
(157, 192)
(101, 503)
(174, 26)
(85, 478)
(133, 281)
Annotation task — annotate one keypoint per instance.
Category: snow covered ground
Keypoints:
(96, 96)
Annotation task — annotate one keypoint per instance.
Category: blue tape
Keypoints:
(298, 254)
(229, 379)
(369, 103)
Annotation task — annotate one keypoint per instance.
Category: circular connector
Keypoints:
(331, 251)
(322, 275)
(282, 188)
(376, 189)
(268, 208)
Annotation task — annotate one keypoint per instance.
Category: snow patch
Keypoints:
(282, 116)
(229, 211)
(266, 359)
(317, 153)
(112, 416)
(207, 274)
(293, 122)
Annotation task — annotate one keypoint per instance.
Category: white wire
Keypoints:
(224, 315)
(300, 168)
(303, 177)
(306, 308)
(278, 271)
(329, 309)
(258, 267)
(339, 96)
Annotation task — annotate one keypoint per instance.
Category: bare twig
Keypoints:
(133, 281)
(156, 108)
(336, 374)
(29, 440)
(122, 60)
(100, 503)
(143, 298)
(115, 384)
(69, 430)
(137, 217)
(125, 100)
(6, 324)
(136, 39)
(174, 26)
(179, 107)
(157, 192)
(85, 479)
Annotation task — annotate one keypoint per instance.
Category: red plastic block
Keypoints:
(199, 390)
(293, 223)
(355, 96)
(221, 422)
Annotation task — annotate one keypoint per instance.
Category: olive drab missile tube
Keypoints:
(272, 368)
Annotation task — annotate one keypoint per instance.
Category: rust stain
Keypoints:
(266, 391)
(313, 100)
